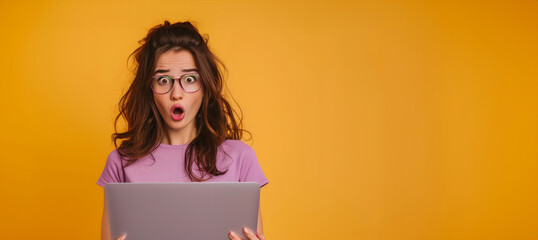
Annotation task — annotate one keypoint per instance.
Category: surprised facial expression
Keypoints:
(178, 107)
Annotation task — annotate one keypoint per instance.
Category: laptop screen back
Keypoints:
(182, 211)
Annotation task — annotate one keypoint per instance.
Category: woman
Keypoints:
(179, 126)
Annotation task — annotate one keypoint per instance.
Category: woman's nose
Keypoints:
(177, 91)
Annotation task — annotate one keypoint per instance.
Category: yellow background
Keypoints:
(371, 119)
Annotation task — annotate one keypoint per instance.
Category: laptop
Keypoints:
(181, 211)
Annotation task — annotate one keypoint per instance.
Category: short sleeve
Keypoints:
(251, 170)
(113, 171)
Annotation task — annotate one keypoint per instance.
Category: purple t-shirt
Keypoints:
(168, 166)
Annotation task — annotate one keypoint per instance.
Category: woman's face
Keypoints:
(178, 108)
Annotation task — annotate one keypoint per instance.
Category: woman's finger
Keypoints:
(233, 236)
(249, 234)
(260, 236)
(122, 237)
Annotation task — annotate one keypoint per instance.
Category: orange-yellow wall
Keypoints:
(372, 119)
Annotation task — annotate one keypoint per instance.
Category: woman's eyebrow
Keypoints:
(161, 71)
(190, 70)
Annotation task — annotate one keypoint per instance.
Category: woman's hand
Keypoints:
(122, 237)
(248, 233)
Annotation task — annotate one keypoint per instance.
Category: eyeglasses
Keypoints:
(163, 84)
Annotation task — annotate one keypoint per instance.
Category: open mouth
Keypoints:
(177, 112)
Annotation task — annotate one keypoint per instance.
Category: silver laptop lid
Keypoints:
(181, 211)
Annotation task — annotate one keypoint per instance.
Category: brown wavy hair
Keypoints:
(216, 120)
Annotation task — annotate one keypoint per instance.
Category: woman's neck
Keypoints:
(179, 137)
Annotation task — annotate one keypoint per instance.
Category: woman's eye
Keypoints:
(190, 79)
(163, 80)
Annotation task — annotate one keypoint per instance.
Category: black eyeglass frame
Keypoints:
(182, 77)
